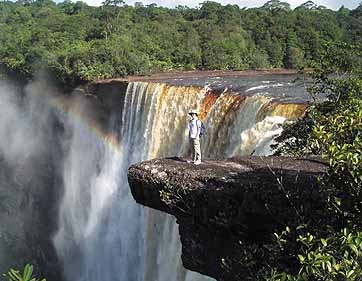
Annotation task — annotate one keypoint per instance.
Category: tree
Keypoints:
(114, 3)
(309, 5)
(276, 5)
(294, 57)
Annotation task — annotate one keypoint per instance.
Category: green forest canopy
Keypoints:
(77, 43)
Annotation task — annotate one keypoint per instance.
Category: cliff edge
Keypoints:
(228, 211)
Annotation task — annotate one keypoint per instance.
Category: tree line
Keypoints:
(77, 43)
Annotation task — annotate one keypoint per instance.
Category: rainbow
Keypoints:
(64, 105)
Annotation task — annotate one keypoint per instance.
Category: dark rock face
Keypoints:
(228, 210)
(103, 99)
(28, 216)
(30, 188)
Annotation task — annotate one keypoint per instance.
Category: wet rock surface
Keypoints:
(228, 210)
(28, 216)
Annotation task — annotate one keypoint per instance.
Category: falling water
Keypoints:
(103, 234)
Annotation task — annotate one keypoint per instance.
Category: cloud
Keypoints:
(332, 4)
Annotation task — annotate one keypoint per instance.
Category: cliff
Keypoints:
(29, 196)
(227, 211)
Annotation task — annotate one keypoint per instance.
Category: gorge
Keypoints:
(68, 158)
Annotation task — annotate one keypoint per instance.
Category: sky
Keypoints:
(332, 4)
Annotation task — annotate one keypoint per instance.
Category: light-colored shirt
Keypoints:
(194, 128)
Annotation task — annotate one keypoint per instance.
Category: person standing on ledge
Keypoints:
(195, 126)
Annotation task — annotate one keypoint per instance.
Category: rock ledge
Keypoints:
(225, 206)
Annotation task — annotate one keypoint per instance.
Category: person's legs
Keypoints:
(197, 149)
(192, 145)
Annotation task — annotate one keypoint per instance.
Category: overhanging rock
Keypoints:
(228, 210)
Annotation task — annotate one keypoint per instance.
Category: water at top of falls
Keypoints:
(285, 87)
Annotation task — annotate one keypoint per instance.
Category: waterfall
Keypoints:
(103, 234)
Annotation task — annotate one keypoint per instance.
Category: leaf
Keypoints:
(14, 275)
(28, 271)
(350, 273)
(337, 266)
(324, 242)
(301, 258)
(354, 249)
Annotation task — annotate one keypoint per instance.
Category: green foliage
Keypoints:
(26, 275)
(173, 196)
(293, 54)
(332, 129)
(276, 5)
(78, 43)
(335, 257)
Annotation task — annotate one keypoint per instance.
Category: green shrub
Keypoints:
(333, 130)
(26, 275)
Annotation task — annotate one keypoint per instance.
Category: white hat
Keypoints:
(194, 112)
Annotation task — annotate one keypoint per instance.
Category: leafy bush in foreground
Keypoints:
(332, 129)
(26, 275)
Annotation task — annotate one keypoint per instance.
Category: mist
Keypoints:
(27, 121)
(31, 153)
